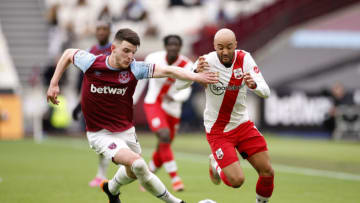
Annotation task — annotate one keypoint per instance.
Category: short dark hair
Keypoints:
(128, 35)
(168, 37)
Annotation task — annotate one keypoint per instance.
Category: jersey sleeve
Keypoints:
(83, 60)
(262, 89)
(142, 70)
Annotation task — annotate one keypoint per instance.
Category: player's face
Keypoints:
(225, 50)
(124, 53)
(102, 34)
(173, 47)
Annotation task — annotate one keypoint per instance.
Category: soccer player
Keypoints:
(106, 101)
(226, 118)
(162, 106)
(102, 34)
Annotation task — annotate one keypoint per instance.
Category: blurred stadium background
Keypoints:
(308, 52)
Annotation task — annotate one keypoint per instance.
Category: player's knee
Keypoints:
(129, 172)
(140, 169)
(164, 135)
(237, 181)
(267, 171)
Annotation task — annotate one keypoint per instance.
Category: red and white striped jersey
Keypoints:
(160, 88)
(226, 100)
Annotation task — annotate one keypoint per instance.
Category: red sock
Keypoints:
(165, 152)
(224, 179)
(157, 159)
(265, 186)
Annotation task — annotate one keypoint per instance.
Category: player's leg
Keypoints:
(170, 165)
(232, 175)
(136, 167)
(141, 171)
(253, 147)
(101, 172)
(265, 184)
(224, 163)
(156, 120)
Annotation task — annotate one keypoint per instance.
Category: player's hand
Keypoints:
(202, 65)
(52, 93)
(207, 77)
(249, 81)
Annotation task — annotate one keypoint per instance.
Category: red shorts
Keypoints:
(158, 119)
(245, 138)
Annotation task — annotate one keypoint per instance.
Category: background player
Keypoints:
(103, 46)
(107, 90)
(162, 106)
(226, 118)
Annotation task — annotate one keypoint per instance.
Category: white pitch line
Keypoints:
(278, 167)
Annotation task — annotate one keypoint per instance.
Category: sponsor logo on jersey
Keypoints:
(219, 153)
(219, 88)
(124, 77)
(238, 73)
(107, 90)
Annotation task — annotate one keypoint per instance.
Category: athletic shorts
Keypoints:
(246, 139)
(108, 143)
(157, 119)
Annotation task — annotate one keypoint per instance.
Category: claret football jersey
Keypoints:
(106, 96)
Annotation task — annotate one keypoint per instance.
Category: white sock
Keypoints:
(261, 199)
(151, 182)
(103, 166)
(120, 178)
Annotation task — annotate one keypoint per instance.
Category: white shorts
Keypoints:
(108, 143)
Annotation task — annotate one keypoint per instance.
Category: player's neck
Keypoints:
(113, 64)
(171, 59)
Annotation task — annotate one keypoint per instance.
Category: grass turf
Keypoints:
(59, 169)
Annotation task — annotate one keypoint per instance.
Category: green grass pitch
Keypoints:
(59, 169)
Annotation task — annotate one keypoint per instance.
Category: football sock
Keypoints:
(103, 166)
(165, 152)
(156, 162)
(121, 178)
(265, 186)
(171, 168)
(151, 182)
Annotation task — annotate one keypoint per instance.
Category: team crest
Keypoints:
(256, 69)
(238, 74)
(124, 77)
(112, 146)
(219, 153)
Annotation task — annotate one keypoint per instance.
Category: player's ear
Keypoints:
(113, 46)
(235, 44)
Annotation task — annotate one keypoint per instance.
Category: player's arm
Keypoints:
(200, 66)
(183, 74)
(254, 79)
(80, 58)
(61, 66)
